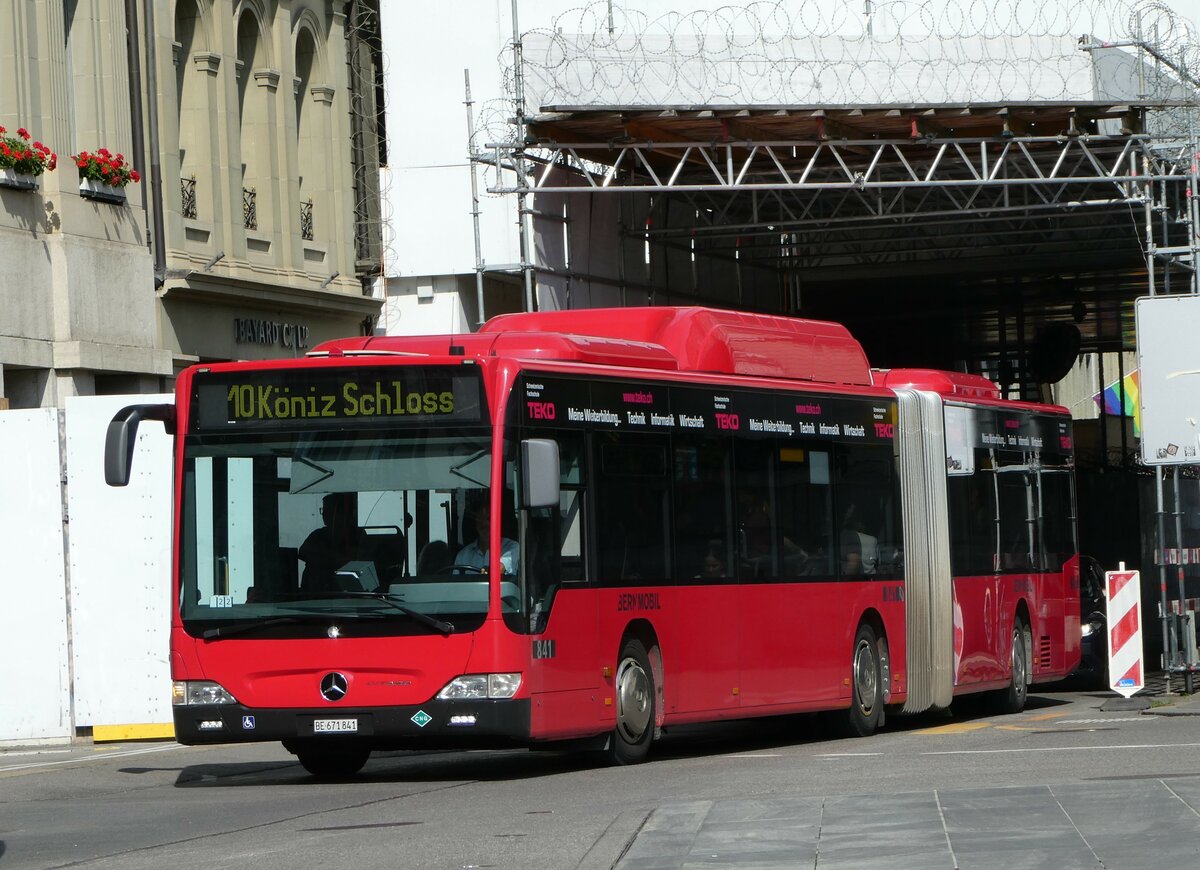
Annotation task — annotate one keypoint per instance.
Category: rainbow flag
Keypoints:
(1110, 400)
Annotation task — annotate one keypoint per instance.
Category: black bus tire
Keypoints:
(1012, 699)
(636, 706)
(328, 761)
(866, 684)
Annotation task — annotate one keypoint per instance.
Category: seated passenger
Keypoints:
(713, 567)
(475, 554)
(858, 546)
(337, 542)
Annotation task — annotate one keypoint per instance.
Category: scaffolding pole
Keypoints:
(519, 160)
(479, 315)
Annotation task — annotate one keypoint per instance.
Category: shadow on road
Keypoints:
(680, 742)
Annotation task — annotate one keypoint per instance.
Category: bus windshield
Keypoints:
(374, 529)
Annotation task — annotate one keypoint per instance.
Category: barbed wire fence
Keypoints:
(865, 52)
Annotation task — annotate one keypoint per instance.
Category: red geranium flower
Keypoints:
(21, 158)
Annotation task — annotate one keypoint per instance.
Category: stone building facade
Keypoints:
(254, 232)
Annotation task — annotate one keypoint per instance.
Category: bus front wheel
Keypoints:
(866, 682)
(330, 762)
(635, 700)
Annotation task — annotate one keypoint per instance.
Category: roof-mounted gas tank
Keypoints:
(704, 340)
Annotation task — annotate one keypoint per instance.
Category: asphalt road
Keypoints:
(163, 805)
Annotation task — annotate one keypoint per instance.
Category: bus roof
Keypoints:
(677, 338)
(948, 384)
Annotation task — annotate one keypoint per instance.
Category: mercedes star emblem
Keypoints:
(334, 686)
(334, 632)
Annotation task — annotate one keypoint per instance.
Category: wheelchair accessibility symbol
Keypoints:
(247, 723)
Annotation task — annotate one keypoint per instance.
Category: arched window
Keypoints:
(256, 117)
(194, 70)
(310, 150)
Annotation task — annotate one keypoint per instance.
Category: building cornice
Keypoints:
(101, 357)
(219, 289)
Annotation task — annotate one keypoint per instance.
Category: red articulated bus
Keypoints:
(576, 529)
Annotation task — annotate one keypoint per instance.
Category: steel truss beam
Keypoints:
(1046, 164)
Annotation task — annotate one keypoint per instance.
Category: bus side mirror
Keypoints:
(539, 473)
(122, 433)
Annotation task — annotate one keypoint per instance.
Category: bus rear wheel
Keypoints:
(1012, 699)
(635, 699)
(866, 682)
(329, 761)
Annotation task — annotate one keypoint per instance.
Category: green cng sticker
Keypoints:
(422, 718)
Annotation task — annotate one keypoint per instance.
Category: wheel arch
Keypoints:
(643, 630)
(873, 618)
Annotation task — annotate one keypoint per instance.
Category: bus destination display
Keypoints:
(399, 395)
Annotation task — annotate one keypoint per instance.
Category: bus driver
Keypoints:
(338, 541)
(475, 554)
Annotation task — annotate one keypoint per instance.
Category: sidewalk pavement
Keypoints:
(1074, 825)
(1166, 695)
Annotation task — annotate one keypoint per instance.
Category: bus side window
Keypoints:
(1019, 548)
(701, 498)
(972, 512)
(1056, 504)
(867, 512)
(755, 509)
(632, 526)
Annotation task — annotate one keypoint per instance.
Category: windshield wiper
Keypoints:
(423, 618)
(245, 627)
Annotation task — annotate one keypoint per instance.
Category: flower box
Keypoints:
(17, 180)
(22, 162)
(101, 192)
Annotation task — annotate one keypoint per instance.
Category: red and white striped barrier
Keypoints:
(1126, 674)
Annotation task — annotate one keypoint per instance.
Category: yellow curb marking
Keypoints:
(149, 731)
(1044, 716)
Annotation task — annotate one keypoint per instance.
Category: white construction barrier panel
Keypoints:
(35, 672)
(1126, 673)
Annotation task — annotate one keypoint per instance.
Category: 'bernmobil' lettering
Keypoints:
(637, 601)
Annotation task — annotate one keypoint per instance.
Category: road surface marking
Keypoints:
(955, 728)
(756, 755)
(1060, 749)
(1105, 721)
(1042, 717)
(83, 759)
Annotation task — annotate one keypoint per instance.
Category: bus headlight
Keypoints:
(190, 693)
(474, 687)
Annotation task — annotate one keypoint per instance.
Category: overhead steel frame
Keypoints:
(869, 164)
(850, 202)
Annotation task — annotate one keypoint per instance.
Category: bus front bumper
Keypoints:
(436, 723)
